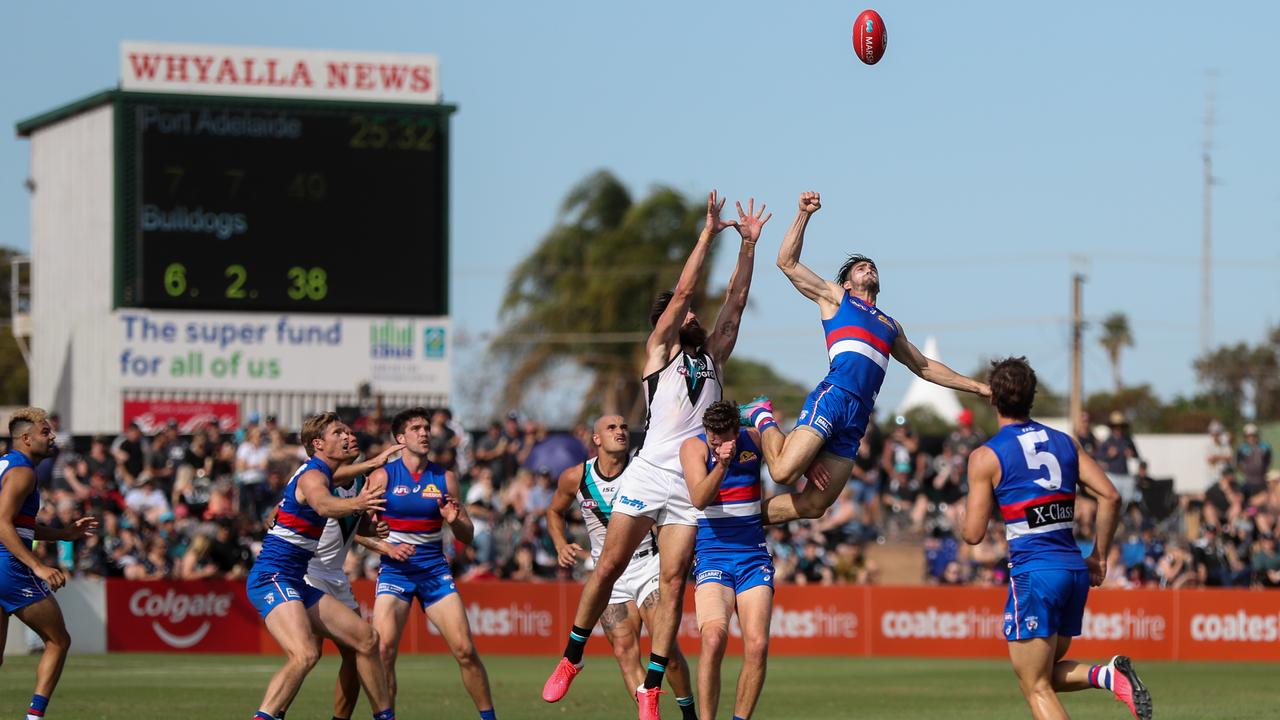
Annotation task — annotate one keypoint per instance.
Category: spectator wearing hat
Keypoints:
(1253, 458)
(131, 451)
(1115, 451)
(1223, 502)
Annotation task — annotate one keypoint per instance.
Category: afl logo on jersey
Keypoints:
(431, 491)
(590, 504)
(400, 490)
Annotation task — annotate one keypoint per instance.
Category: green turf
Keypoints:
(200, 687)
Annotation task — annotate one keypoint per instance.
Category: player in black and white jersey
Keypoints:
(593, 487)
(682, 368)
(325, 571)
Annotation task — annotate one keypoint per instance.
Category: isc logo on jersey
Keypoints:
(431, 491)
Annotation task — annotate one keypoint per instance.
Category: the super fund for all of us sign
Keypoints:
(277, 72)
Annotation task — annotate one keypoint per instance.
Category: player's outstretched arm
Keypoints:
(1099, 485)
(984, 474)
(724, 335)
(81, 528)
(567, 551)
(666, 332)
(353, 470)
(313, 490)
(704, 484)
(932, 370)
(824, 292)
(18, 483)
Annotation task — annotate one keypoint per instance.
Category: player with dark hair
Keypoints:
(297, 614)
(682, 369)
(421, 497)
(326, 570)
(860, 338)
(26, 584)
(1031, 472)
(732, 567)
(593, 486)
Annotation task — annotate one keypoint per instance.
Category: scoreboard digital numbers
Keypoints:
(283, 206)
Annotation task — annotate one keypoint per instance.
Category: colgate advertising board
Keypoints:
(193, 616)
(859, 621)
(190, 415)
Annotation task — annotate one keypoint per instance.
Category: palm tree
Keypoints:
(582, 296)
(1116, 336)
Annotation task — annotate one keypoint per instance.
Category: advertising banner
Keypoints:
(190, 415)
(270, 352)
(181, 616)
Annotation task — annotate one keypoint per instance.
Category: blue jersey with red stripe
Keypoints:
(732, 520)
(295, 536)
(859, 341)
(25, 520)
(1039, 470)
(413, 513)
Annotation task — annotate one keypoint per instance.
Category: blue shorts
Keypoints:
(1045, 603)
(737, 569)
(839, 416)
(268, 590)
(19, 587)
(429, 585)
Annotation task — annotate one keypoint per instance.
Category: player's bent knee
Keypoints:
(755, 649)
(307, 657)
(714, 637)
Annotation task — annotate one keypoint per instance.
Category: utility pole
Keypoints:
(1076, 402)
(1206, 249)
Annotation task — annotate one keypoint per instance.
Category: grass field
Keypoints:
(208, 687)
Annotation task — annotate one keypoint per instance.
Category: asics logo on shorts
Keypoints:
(631, 502)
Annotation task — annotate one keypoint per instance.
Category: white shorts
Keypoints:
(638, 581)
(337, 586)
(646, 490)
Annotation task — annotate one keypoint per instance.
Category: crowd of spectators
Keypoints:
(197, 506)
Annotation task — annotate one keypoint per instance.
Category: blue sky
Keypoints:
(994, 142)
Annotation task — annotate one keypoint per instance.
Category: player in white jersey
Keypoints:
(325, 571)
(593, 485)
(682, 370)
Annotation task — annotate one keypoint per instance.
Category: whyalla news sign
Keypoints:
(279, 72)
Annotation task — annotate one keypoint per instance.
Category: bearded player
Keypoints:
(1031, 472)
(326, 570)
(682, 370)
(421, 498)
(593, 485)
(296, 614)
(860, 339)
(26, 584)
(732, 567)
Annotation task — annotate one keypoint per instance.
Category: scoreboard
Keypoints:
(275, 205)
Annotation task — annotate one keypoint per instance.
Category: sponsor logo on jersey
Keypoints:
(885, 319)
(706, 575)
(292, 594)
(747, 456)
(632, 502)
(1058, 511)
(431, 491)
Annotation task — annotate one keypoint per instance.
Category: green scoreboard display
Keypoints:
(237, 204)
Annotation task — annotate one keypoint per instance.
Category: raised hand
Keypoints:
(750, 223)
(714, 207)
(400, 552)
(370, 498)
(81, 528)
(810, 202)
(724, 452)
(449, 509)
(385, 456)
(568, 554)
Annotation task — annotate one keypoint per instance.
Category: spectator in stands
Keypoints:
(1084, 434)
(1220, 454)
(852, 565)
(491, 452)
(1217, 563)
(131, 451)
(513, 447)
(148, 501)
(539, 497)
(866, 478)
(252, 457)
(965, 438)
(1115, 451)
(1223, 502)
(813, 567)
(1253, 458)
(1266, 563)
(196, 563)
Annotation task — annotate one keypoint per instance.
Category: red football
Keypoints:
(869, 37)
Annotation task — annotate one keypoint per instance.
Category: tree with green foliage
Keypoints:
(1116, 336)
